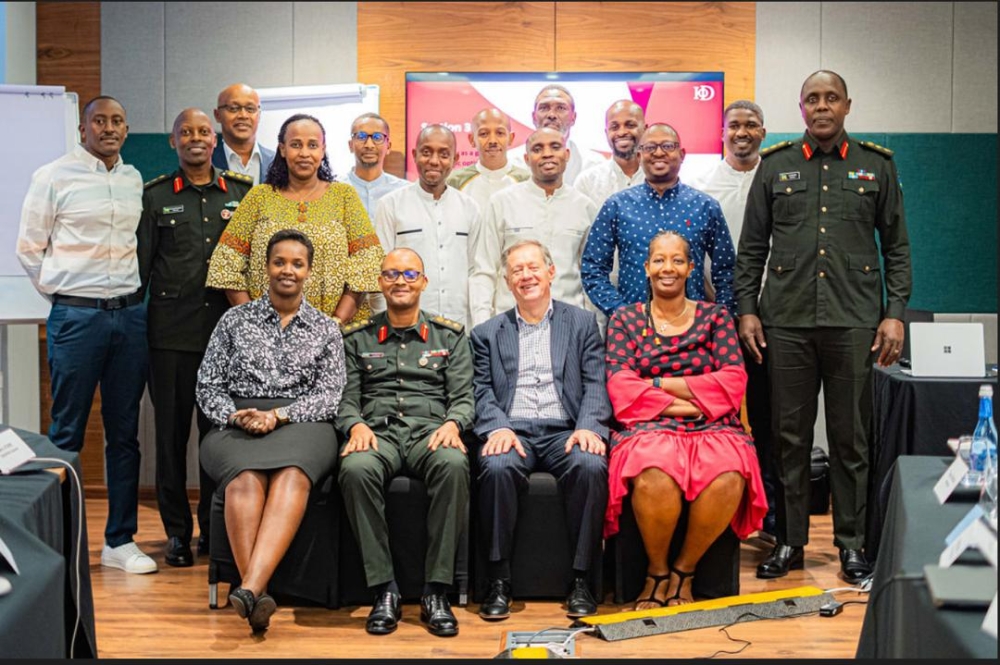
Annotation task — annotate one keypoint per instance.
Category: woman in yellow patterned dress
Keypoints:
(299, 193)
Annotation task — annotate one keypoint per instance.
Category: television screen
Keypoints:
(691, 102)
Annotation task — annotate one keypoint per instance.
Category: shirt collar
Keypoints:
(230, 152)
(185, 183)
(361, 182)
(540, 193)
(810, 146)
(384, 329)
(494, 173)
(301, 317)
(669, 194)
(521, 322)
(427, 196)
(92, 162)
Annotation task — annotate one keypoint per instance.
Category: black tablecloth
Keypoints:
(901, 620)
(33, 613)
(51, 513)
(913, 416)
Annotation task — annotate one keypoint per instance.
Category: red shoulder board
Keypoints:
(178, 184)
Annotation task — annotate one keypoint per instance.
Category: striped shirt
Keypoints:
(535, 396)
(78, 224)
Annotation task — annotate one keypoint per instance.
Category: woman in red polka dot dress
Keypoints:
(676, 381)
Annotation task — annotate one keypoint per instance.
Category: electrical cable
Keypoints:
(747, 643)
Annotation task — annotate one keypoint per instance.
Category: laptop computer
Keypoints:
(947, 349)
(961, 586)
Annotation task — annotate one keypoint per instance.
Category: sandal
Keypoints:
(657, 579)
(682, 575)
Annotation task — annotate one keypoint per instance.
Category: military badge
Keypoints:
(789, 175)
(226, 213)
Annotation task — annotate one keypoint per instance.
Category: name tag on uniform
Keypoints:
(172, 210)
(373, 354)
(789, 175)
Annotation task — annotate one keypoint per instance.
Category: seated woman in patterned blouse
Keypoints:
(299, 193)
(676, 381)
(272, 378)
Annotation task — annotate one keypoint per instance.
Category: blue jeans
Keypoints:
(87, 347)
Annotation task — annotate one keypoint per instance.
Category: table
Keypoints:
(41, 519)
(913, 416)
(901, 620)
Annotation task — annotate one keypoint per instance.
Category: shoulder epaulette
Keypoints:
(459, 179)
(356, 326)
(238, 177)
(775, 148)
(876, 148)
(154, 181)
(447, 323)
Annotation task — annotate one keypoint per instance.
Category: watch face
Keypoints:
(282, 413)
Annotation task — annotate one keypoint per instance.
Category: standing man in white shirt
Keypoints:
(624, 123)
(369, 143)
(555, 108)
(238, 113)
(77, 243)
(434, 220)
(729, 183)
(543, 209)
(491, 136)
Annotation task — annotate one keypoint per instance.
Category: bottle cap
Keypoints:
(986, 390)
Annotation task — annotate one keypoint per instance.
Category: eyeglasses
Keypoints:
(408, 275)
(378, 138)
(251, 109)
(667, 147)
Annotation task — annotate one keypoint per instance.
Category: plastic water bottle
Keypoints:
(984, 439)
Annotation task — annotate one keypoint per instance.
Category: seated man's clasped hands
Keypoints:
(271, 378)
(676, 381)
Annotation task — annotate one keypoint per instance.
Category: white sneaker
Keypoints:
(127, 557)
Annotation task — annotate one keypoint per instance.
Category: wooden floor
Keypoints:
(166, 615)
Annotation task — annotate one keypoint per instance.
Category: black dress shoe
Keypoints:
(385, 614)
(854, 567)
(435, 611)
(179, 553)
(781, 559)
(260, 616)
(580, 602)
(202, 545)
(242, 601)
(497, 603)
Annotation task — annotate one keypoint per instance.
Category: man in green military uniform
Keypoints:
(407, 401)
(183, 215)
(813, 211)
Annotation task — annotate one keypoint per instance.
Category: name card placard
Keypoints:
(950, 479)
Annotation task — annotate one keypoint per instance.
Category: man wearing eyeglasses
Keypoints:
(369, 143)
(629, 219)
(434, 219)
(414, 370)
(238, 113)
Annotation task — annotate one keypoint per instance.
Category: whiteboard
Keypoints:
(42, 125)
(336, 106)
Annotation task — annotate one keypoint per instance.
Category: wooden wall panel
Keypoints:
(68, 38)
(660, 37)
(396, 37)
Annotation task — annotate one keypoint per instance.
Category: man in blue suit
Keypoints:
(541, 404)
(238, 113)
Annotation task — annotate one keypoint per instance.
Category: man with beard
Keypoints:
(629, 220)
(543, 209)
(492, 172)
(434, 220)
(369, 143)
(728, 183)
(77, 243)
(183, 215)
(238, 113)
(624, 123)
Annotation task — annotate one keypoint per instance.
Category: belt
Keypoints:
(118, 302)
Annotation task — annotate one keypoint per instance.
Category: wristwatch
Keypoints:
(281, 413)
(656, 382)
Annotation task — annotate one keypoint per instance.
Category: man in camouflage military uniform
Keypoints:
(183, 215)
(407, 401)
(812, 215)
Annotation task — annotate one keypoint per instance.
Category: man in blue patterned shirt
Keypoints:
(630, 218)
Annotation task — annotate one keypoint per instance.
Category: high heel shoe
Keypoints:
(242, 601)
(682, 575)
(651, 598)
